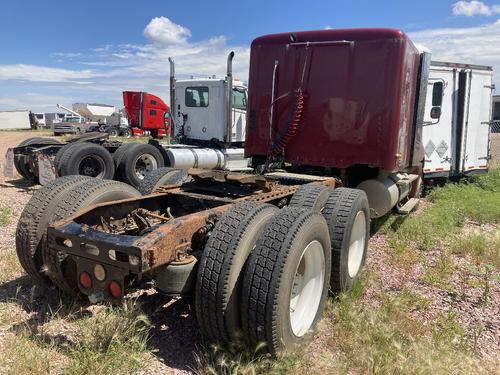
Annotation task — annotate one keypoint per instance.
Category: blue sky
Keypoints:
(68, 51)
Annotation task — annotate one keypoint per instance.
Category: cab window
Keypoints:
(239, 99)
(197, 97)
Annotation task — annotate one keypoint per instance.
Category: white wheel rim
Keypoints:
(307, 288)
(144, 164)
(357, 244)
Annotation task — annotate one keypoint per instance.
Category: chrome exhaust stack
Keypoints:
(172, 91)
(229, 109)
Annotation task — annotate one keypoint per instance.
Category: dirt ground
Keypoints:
(175, 337)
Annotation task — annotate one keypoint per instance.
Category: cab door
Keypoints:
(439, 121)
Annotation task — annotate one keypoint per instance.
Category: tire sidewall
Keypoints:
(347, 282)
(317, 230)
(131, 158)
(235, 270)
(71, 164)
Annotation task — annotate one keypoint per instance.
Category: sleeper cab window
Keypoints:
(153, 102)
(152, 112)
(437, 94)
(196, 96)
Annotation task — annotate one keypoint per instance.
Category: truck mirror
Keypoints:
(437, 94)
(436, 112)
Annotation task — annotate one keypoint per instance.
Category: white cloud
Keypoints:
(472, 45)
(107, 70)
(44, 74)
(161, 30)
(474, 7)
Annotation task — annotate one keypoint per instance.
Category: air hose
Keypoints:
(282, 141)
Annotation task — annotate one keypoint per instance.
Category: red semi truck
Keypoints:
(333, 133)
(147, 114)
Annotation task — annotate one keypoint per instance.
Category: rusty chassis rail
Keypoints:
(175, 238)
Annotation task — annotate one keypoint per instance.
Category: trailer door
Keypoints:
(439, 121)
(477, 121)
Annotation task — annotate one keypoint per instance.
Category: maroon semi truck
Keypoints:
(333, 133)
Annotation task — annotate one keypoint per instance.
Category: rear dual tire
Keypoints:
(135, 160)
(285, 285)
(53, 202)
(85, 159)
(218, 285)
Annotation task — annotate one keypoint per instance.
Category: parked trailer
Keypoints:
(334, 134)
(457, 122)
(15, 120)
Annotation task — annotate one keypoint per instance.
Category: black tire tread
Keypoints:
(263, 275)
(215, 267)
(33, 222)
(71, 202)
(337, 212)
(162, 176)
(124, 166)
(65, 162)
(59, 155)
(312, 196)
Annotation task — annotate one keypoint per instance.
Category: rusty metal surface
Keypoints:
(234, 177)
(170, 241)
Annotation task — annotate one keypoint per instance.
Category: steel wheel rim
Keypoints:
(92, 166)
(145, 164)
(307, 288)
(357, 244)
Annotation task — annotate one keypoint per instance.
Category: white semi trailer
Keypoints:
(15, 120)
(457, 121)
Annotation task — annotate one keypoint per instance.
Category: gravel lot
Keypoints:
(174, 334)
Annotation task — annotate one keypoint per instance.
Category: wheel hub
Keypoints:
(91, 166)
(145, 164)
(307, 288)
(357, 244)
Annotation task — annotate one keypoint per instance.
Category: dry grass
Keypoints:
(428, 303)
(5, 216)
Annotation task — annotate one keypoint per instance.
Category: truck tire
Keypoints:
(87, 159)
(32, 225)
(118, 155)
(162, 176)
(21, 162)
(140, 159)
(127, 133)
(312, 196)
(348, 216)
(60, 153)
(285, 284)
(218, 285)
(62, 268)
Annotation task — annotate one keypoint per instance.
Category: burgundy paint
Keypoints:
(359, 97)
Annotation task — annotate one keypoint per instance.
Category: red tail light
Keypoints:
(85, 280)
(115, 289)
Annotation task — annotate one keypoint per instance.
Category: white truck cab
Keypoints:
(209, 118)
(203, 110)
